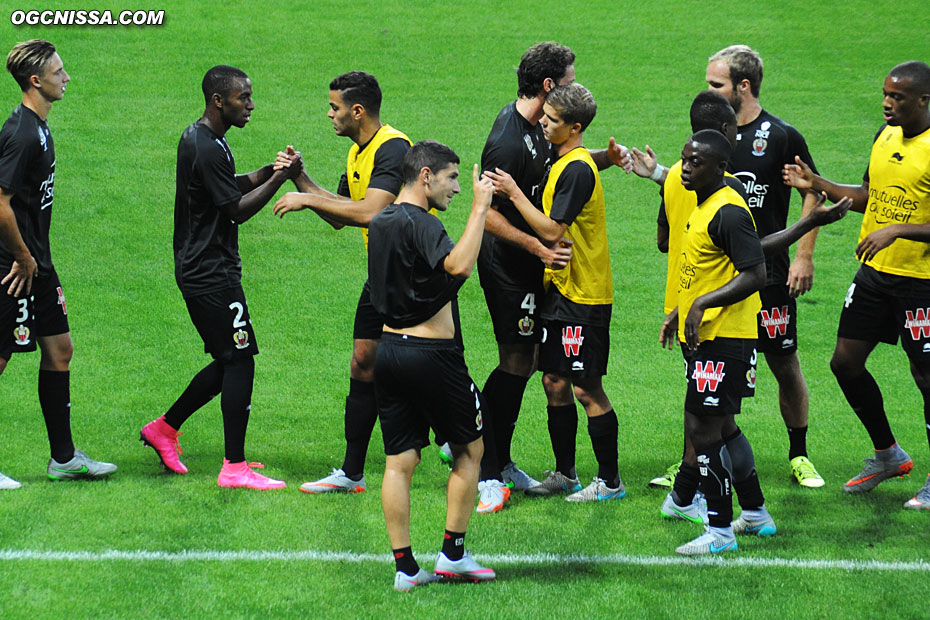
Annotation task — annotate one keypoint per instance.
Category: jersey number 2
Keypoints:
(237, 322)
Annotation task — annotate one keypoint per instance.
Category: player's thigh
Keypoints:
(222, 319)
(777, 322)
(515, 313)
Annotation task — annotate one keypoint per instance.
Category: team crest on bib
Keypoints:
(526, 325)
(21, 335)
(241, 338)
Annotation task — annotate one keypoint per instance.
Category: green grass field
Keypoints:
(446, 70)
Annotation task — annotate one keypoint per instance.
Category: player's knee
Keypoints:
(468, 455)
(843, 367)
(556, 386)
(921, 374)
(362, 366)
(57, 354)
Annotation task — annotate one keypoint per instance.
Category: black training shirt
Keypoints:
(519, 148)
(27, 170)
(206, 240)
(406, 250)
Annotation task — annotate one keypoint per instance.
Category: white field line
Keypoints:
(491, 559)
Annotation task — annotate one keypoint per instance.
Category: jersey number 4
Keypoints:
(529, 303)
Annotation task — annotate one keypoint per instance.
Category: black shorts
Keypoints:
(514, 313)
(777, 321)
(368, 323)
(721, 373)
(422, 383)
(881, 307)
(25, 319)
(223, 322)
(574, 350)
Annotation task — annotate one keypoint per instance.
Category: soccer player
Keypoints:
(415, 271)
(373, 178)
(890, 295)
(578, 300)
(210, 204)
(32, 303)
(765, 144)
(513, 258)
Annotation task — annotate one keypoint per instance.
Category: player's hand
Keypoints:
(644, 164)
(503, 182)
(619, 155)
(693, 325)
(20, 277)
(668, 334)
(482, 188)
(559, 255)
(291, 201)
(823, 214)
(798, 174)
(876, 241)
(800, 276)
(289, 160)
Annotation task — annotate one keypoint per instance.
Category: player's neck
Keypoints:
(530, 109)
(214, 123)
(570, 145)
(37, 103)
(748, 111)
(366, 131)
(413, 195)
(918, 128)
(704, 193)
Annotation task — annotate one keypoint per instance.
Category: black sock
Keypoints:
(865, 398)
(927, 415)
(503, 393)
(743, 468)
(715, 471)
(236, 402)
(360, 417)
(563, 428)
(453, 545)
(405, 562)
(490, 466)
(55, 400)
(797, 441)
(203, 388)
(603, 432)
(686, 484)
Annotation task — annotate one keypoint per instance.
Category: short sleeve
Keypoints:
(16, 154)
(343, 189)
(506, 155)
(219, 174)
(798, 146)
(732, 230)
(573, 190)
(432, 241)
(388, 171)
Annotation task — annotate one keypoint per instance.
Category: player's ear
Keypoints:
(425, 175)
(358, 110)
(548, 84)
(35, 81)
(217, 100)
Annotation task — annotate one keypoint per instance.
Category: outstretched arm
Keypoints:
(614, 155)
(647, 165)
(819, 215)
(800, 175)
(252, 202)
(24, 265)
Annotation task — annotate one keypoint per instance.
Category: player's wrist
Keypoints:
(658, 174)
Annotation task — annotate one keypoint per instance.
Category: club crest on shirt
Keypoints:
(21, 335)
(241, 339)
(758, 147)
(529, 144)
(526, 325)
(479, 421)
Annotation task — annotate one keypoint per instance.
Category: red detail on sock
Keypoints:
(398, 555)
(446, 537)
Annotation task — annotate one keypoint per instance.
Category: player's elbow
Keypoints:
(459, 272)
(662, 244)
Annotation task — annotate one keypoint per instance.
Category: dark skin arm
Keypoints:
(819, 215)
(742, 286)
(800, 175)
(248, 182)
(662, 234)
(252, 202)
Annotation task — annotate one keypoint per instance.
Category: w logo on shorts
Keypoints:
(571, 340)
(775, 321)
(919, 323)
(708, 375)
